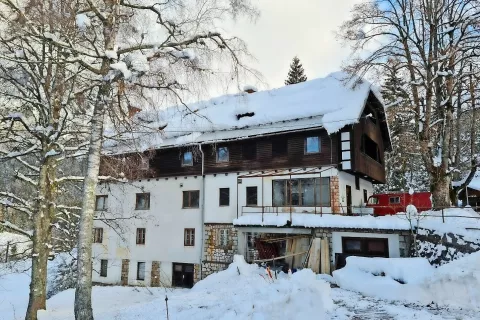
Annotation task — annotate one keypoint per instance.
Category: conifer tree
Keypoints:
(403, 164)
(296, 73)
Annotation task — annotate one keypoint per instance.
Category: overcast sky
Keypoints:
(286, 28)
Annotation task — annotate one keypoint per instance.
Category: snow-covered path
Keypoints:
(353, 306)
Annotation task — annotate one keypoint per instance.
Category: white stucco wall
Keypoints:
(345, 179)
(164, 222)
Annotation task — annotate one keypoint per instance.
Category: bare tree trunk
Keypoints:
(440, 189)
(83, 293)
(41, 240)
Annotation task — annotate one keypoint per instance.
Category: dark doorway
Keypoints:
(182, 275)
(349, 199)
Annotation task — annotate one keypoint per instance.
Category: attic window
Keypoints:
(370, 148)
(187, 159)
(246, 114)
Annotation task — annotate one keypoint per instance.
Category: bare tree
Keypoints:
(435, 43)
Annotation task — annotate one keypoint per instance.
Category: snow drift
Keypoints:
(456, 284)
(242, 291)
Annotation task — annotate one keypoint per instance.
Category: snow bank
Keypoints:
(241, 292)
(309, 220)
(456, 284)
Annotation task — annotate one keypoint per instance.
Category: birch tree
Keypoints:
(435, 43)
(40, 125)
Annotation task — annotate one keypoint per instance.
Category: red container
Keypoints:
(395, 202)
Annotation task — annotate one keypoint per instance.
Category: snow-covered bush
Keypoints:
(62, 273)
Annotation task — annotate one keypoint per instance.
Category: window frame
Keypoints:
(223, 233)
(227, 190)
(183, 163)
(137, 197)
(218, 153)
(395, 198)
(363, 140)
(189, 242)
(247, 197)
(138, 270)
(319, 150)
(322, 181)
(140, 236)
(103, 268)
(189, 205)
(98, 236)
(365, 196)
(364, 247)
(105, 204)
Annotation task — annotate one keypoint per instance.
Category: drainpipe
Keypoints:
(202, 211)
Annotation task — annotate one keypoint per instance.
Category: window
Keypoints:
(189, 237)
(101, 203)
(301, 192)
(97, 235)
(142, 201)
(224, 197)
(312, 145)
(144, 164)
(191, 199)
(366, 247)
(141, 271)
(249, 151)
(370, 148)
(252, 199)
(141, 235)
(103, 268)
(279, 147)
(187, 159)
(222, 154)
(365, 196)
(394, 199)
(222, 237)
(357, 183)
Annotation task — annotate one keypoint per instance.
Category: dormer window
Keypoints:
(187, 159)
(312, 145)
(222, 154)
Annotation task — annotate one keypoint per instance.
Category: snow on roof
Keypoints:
(308, 220)
(474, 184)
(331, 102)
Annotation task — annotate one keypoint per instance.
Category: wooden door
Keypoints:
(348, 192)
(182, 275)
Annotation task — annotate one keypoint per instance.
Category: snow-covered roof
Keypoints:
(474, 184)
(331, 102)
(308, 220)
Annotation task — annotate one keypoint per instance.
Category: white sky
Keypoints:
(286, 28)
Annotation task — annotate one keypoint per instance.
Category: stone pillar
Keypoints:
(335, 195)
(155, 274)
(124, 274)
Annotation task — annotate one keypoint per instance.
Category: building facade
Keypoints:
(168, 217)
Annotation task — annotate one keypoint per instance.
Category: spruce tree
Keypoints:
(296, 73)
(404, 166)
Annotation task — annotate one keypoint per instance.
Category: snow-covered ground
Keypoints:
(245, 292)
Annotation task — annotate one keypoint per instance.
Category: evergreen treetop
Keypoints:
(296, 74)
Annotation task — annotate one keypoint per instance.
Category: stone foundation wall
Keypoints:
(155, 274)
(124, 273)
(217, 256)
(440, 248)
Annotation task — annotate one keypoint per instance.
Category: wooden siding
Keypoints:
(167, 162)
(362, 163)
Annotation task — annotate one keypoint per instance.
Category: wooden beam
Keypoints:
(282, 257)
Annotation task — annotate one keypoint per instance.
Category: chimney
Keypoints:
(132, 111)
(250, 89)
